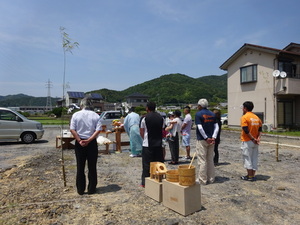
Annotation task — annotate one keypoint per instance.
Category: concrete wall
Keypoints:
(260, 92)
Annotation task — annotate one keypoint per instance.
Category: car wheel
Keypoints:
(28, 137)
(225, 122)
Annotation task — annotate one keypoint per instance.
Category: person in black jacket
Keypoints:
(218, 140)
(151, 132)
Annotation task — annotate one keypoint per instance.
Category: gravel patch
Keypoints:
(32, 190)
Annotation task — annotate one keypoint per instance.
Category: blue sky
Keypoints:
(126, 42)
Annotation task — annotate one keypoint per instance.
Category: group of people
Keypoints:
(146, 140)
(175, 127)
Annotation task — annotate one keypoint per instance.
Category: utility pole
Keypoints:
(49, 103)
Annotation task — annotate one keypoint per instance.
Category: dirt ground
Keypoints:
(32, 189)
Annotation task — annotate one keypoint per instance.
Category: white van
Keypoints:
(107, 117)
(15, 126)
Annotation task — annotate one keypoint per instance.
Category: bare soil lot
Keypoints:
(32, 190)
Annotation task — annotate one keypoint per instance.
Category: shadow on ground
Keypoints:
(108, 188)
(262, 177)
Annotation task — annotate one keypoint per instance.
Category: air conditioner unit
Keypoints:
(266, 127)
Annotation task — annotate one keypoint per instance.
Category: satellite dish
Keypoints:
(276, 73)
(283, 74)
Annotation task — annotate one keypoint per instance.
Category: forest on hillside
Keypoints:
(167, 89)
(175, 89)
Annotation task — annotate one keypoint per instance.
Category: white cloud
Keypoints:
(220, 42)
(256, 37)
(170, 10)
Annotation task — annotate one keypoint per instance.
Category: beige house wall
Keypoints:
(260, 93)
(70, 101)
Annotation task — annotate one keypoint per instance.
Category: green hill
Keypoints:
(24, 100)
(174, 89)
(166, 89)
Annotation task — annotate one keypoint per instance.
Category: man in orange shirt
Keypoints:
(250, 137)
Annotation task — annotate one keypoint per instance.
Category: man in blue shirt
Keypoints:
(207, 131)
(85, 126)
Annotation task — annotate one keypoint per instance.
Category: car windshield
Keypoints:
(101, 115)
(20, 115)
(224, 115)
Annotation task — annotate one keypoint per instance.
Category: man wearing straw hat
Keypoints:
(207, 131)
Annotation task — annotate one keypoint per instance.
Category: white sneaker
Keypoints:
(187, 157)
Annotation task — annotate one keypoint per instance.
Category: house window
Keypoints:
(287, 67)
(285, 113)
(248, 74)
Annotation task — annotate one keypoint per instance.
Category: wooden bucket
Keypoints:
(172, 176)
(187, 177)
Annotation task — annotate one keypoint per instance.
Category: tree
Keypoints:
(68, 46)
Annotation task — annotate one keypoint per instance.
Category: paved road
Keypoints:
(14, 153)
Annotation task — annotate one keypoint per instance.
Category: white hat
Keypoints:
(203, 103)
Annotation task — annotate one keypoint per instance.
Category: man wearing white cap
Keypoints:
(207, 131)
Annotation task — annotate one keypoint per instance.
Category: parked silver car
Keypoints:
(107, 117)
(15, 126)
(224, 119)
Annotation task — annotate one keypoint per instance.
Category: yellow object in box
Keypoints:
(116, 122)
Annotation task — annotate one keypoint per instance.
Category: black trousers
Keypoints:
(150, 154)
(174, 148)
(216, 157)
(89, 154)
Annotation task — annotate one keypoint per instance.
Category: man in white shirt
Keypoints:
(85, 126)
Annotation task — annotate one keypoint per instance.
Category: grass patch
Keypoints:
(51, 121)
(286, 133)
(280, 133)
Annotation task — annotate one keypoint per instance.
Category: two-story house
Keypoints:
(137, 99)
(268, 77)
(74, 97)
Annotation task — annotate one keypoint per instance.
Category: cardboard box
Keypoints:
(182, 199)
(153, 189)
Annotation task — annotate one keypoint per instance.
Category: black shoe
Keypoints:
(91, 192)
(244, 177)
